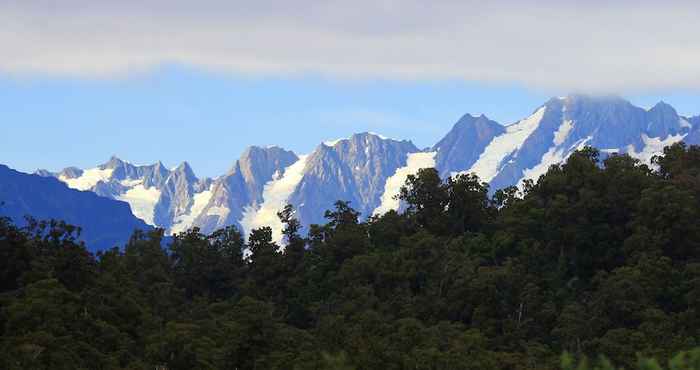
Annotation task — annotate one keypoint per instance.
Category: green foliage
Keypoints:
(687, 360)
(598, 259)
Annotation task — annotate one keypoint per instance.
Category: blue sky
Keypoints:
(175, 114)
(176, 80)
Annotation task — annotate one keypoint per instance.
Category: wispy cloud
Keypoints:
(592, 45)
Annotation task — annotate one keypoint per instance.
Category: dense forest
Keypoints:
(600, 257)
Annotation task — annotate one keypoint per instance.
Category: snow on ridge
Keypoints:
(684, 123)
(414, 162)
(131, 182)
(142, 201)
(489, 163)
(563, 132)
(220, 211)
(653, 146)
(88, 179)
(332, 143)
(185, 221)
(379, 135)
(556, 154)
(275, 195)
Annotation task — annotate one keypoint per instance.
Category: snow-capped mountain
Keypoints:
(157, 195)
(529, 147)
(368, 169)
(354, 169)
(242, 187)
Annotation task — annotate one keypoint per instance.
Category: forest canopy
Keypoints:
(594, 266)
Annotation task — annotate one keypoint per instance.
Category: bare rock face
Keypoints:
(693, 137)
(461, 147)
(353, 169)
(243, 186)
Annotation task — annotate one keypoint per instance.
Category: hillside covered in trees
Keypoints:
(599, 257)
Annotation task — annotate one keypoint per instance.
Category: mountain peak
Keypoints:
(44, 173)
(464, 142)
(185, 169)
(71, 173)
(663, 107)
(255, 150)
(366, 142)
(469, 116)
(471, 120)
(367, 135)
(113, 163)
(184, 166)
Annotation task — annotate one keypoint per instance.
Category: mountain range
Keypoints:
(368, 169)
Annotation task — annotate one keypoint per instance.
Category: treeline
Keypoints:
(598, 258)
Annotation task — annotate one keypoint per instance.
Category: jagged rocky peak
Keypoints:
(663, 108)
(664, 120)
(243, 185)
(121, 170)
(154, 175)
(360, 148)
(44, 173)
(160, 168)
(203, 184)
(366, 155)
(364, 137)
(353, 169)
(255, 157)
(326, 179)
(480, 126)
(182, 178)
(258, 165)
(184, 171)
(112, 163)
(463, 144)
(70, 173)
(322, 156)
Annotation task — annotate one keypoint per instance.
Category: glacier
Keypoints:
(392, 187)
(275, 196)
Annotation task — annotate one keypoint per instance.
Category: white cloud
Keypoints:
(591, 45)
